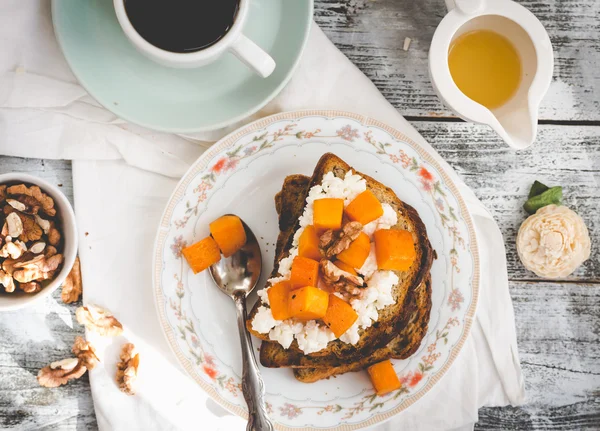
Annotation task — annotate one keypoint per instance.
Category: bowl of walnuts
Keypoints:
(38, 240)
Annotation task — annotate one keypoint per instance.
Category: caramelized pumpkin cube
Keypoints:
(308, 244)
(357, 253)
(340, 315)
(202, 254)
(305, 272)
(308, 303)
(395, 249)
(328, 213)
(364, 208)
(384, 377)
(279, 300)
(345, 267)
(228, 231)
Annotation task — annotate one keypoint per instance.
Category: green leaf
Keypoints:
(445, 341)
(376, 406)
(421, 367)
(549, 197)
(451, 210)
(537, 188)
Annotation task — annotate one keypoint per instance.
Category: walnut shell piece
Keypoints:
(127, 369)
(85, 352)
(72, 287)
(98, 319)
(60, 372)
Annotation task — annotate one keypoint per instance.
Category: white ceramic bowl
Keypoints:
(18, 299)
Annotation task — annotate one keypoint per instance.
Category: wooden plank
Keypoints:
(501, 177)
(558, 330)
(371, 33)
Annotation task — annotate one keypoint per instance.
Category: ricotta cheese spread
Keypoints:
(312, 336)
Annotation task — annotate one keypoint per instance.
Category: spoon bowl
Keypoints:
(236, 276)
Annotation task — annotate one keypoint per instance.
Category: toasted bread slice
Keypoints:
(308, 369)
(289, 207)
(403, 346)
(405, 343)
(390, 318)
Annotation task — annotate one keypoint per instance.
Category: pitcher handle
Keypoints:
(468, 7)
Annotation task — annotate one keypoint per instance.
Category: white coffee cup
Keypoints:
(243, 48)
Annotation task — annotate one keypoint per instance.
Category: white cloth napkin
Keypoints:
(123, 176)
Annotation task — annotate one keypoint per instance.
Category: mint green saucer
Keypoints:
(178, 100)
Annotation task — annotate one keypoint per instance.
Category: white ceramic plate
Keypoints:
(241, 174)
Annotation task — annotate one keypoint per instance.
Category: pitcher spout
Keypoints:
(518, 125)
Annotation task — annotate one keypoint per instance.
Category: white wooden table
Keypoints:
(558, 323)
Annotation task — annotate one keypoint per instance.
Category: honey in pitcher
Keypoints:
(485, 66)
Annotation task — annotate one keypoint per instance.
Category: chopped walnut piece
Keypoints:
(14, 250)
(37, 247)
(340, 280)
(31, 230)
(2, 192)
(60, 372)
(7, 281)
(99, 320)
(46, 202)
(53, 235)
(31, 287)
(71, 288)
(8, 265)
(19, 206)
(30, 205)
(333, 243)
(38, 268)
(4, 232)
(127, 369)
(85, 352)
(50, 251)
(15, 225)
(44, 224)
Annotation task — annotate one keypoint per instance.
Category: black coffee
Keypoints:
(182, 25)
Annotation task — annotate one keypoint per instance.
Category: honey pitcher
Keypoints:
(491, 62)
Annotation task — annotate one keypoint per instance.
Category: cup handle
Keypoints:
(468, 7)
(253, 56)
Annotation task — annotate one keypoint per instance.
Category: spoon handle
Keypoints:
(253, 386)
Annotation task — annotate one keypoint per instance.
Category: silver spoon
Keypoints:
(237, 276)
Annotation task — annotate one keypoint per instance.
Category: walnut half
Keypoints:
(99, 320)
(340, 280)
(60, 372)
(333, 243)
(71, 289)
(127, 369)
(85, 352)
